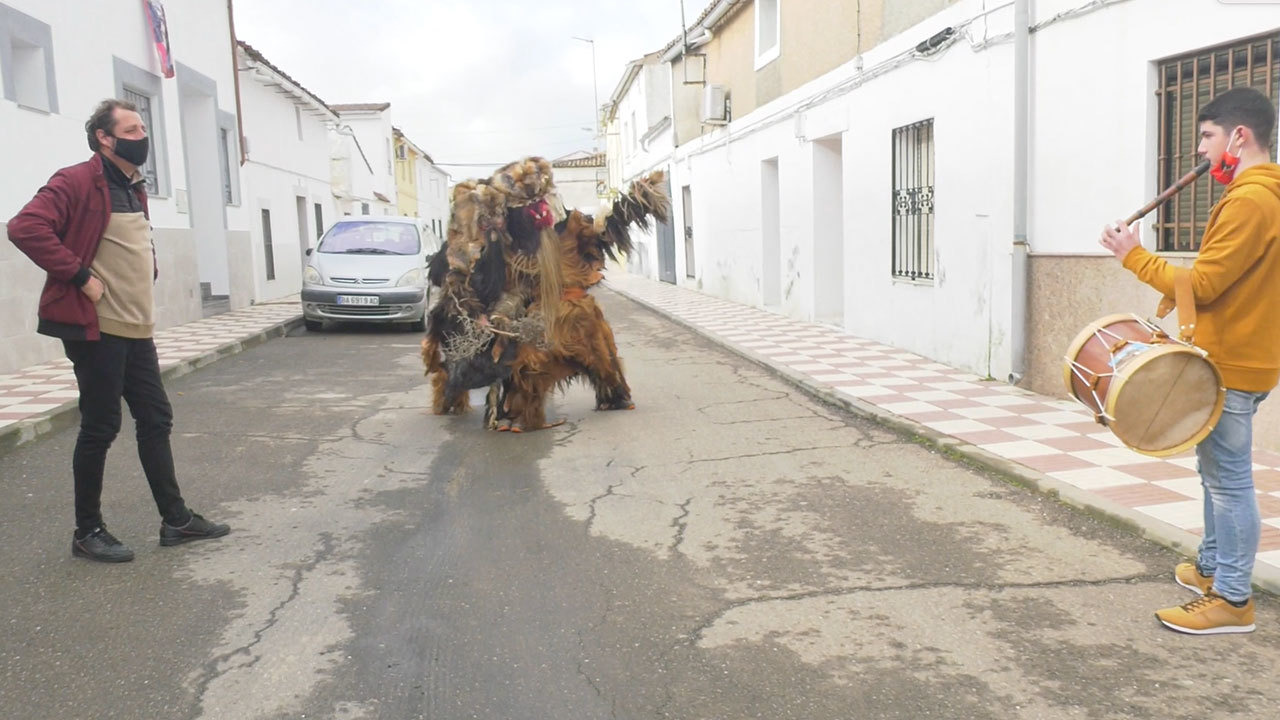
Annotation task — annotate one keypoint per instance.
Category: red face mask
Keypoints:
(1225, 171)
(540, 213)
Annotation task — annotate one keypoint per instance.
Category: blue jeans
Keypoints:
(1231, 521)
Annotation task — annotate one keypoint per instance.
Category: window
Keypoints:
(767, 41)
(635, 130)
(268, 251)
(389, 170)
(229, 154)
(26, 61)
(364, 208)
(224, 148)
(319, 221)
(144, 90)
(297, 115)
(913, 201)
(1186, 84)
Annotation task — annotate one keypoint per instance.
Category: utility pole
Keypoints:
(595, 97)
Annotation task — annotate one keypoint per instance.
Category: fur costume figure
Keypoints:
(583, 344)
(513, 312)
(500, 233)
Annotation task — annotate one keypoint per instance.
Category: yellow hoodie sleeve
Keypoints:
(1229, 248)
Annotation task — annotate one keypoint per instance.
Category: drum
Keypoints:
(1158, 395)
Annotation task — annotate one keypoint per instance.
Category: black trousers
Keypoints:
(107, 370)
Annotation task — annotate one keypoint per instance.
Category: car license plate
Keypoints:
(357, 299)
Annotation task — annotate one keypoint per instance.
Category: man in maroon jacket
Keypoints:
(89, 229)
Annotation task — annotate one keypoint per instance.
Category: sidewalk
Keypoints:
(1048, 443)
(42, 398)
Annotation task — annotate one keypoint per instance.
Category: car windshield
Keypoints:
(371, 238)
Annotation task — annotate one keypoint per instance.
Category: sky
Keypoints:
(478, 82)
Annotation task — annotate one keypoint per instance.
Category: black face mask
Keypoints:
(133, 152)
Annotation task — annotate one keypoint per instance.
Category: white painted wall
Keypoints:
(282, 168)
(83, 48)
(577, 188)
(965, 93)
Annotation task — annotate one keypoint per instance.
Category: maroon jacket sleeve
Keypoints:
(39, 227)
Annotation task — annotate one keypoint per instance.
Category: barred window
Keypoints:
(913, 201)
(1187, 84)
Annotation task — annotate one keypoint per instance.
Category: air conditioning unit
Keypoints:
(715, 104)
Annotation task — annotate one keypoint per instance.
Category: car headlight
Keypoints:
(311, 276)
(413, 278)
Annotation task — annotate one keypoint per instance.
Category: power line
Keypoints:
(577, 126)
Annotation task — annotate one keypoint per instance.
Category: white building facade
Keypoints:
(433, 196)
(641, 139)
(579, 178)
(880, 197)
(287, 184)
(362, 159)
(56, 65)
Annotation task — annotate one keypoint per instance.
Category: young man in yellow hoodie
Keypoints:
(1236, 282)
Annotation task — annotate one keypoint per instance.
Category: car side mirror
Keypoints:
(309, 252)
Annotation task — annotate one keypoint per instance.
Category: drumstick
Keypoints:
(1186, 180)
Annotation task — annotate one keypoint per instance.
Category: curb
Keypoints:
(1181, 541)
(68, 415)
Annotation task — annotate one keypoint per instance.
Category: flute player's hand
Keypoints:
(1120, 239)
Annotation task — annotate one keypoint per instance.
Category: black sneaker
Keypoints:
(196, 529)
(101, 546)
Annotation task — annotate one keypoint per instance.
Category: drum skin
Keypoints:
(1161, 398)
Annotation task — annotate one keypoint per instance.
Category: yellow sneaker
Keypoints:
(1188, 576)
(1208, 615)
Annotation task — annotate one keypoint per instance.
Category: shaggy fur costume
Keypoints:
(514, 313)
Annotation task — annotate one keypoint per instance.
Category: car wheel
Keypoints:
(314, 325)
(419, 325)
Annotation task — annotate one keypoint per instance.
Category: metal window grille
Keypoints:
(1187, 84)
(913, 201)
(224, 148)
(148, 169)
(266, 245)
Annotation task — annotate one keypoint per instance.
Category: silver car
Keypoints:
(369, 268)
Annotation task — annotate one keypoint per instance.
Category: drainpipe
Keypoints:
(235, 77)
(1021, 91)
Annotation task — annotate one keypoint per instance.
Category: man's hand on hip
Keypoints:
(93, 289)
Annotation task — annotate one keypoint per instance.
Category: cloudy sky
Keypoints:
(479, 81)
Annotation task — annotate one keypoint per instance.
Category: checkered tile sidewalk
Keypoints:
(1055, 436)
(37, 391)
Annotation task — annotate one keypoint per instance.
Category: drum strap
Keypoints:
(1185, 300)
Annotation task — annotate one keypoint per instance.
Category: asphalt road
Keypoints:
(729, 549)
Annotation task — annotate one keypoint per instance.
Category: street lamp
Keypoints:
(595, 98)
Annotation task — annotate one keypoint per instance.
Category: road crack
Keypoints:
(222, 664)
(591, 517)
(696, 634)
(790, 451)
(680, 523)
